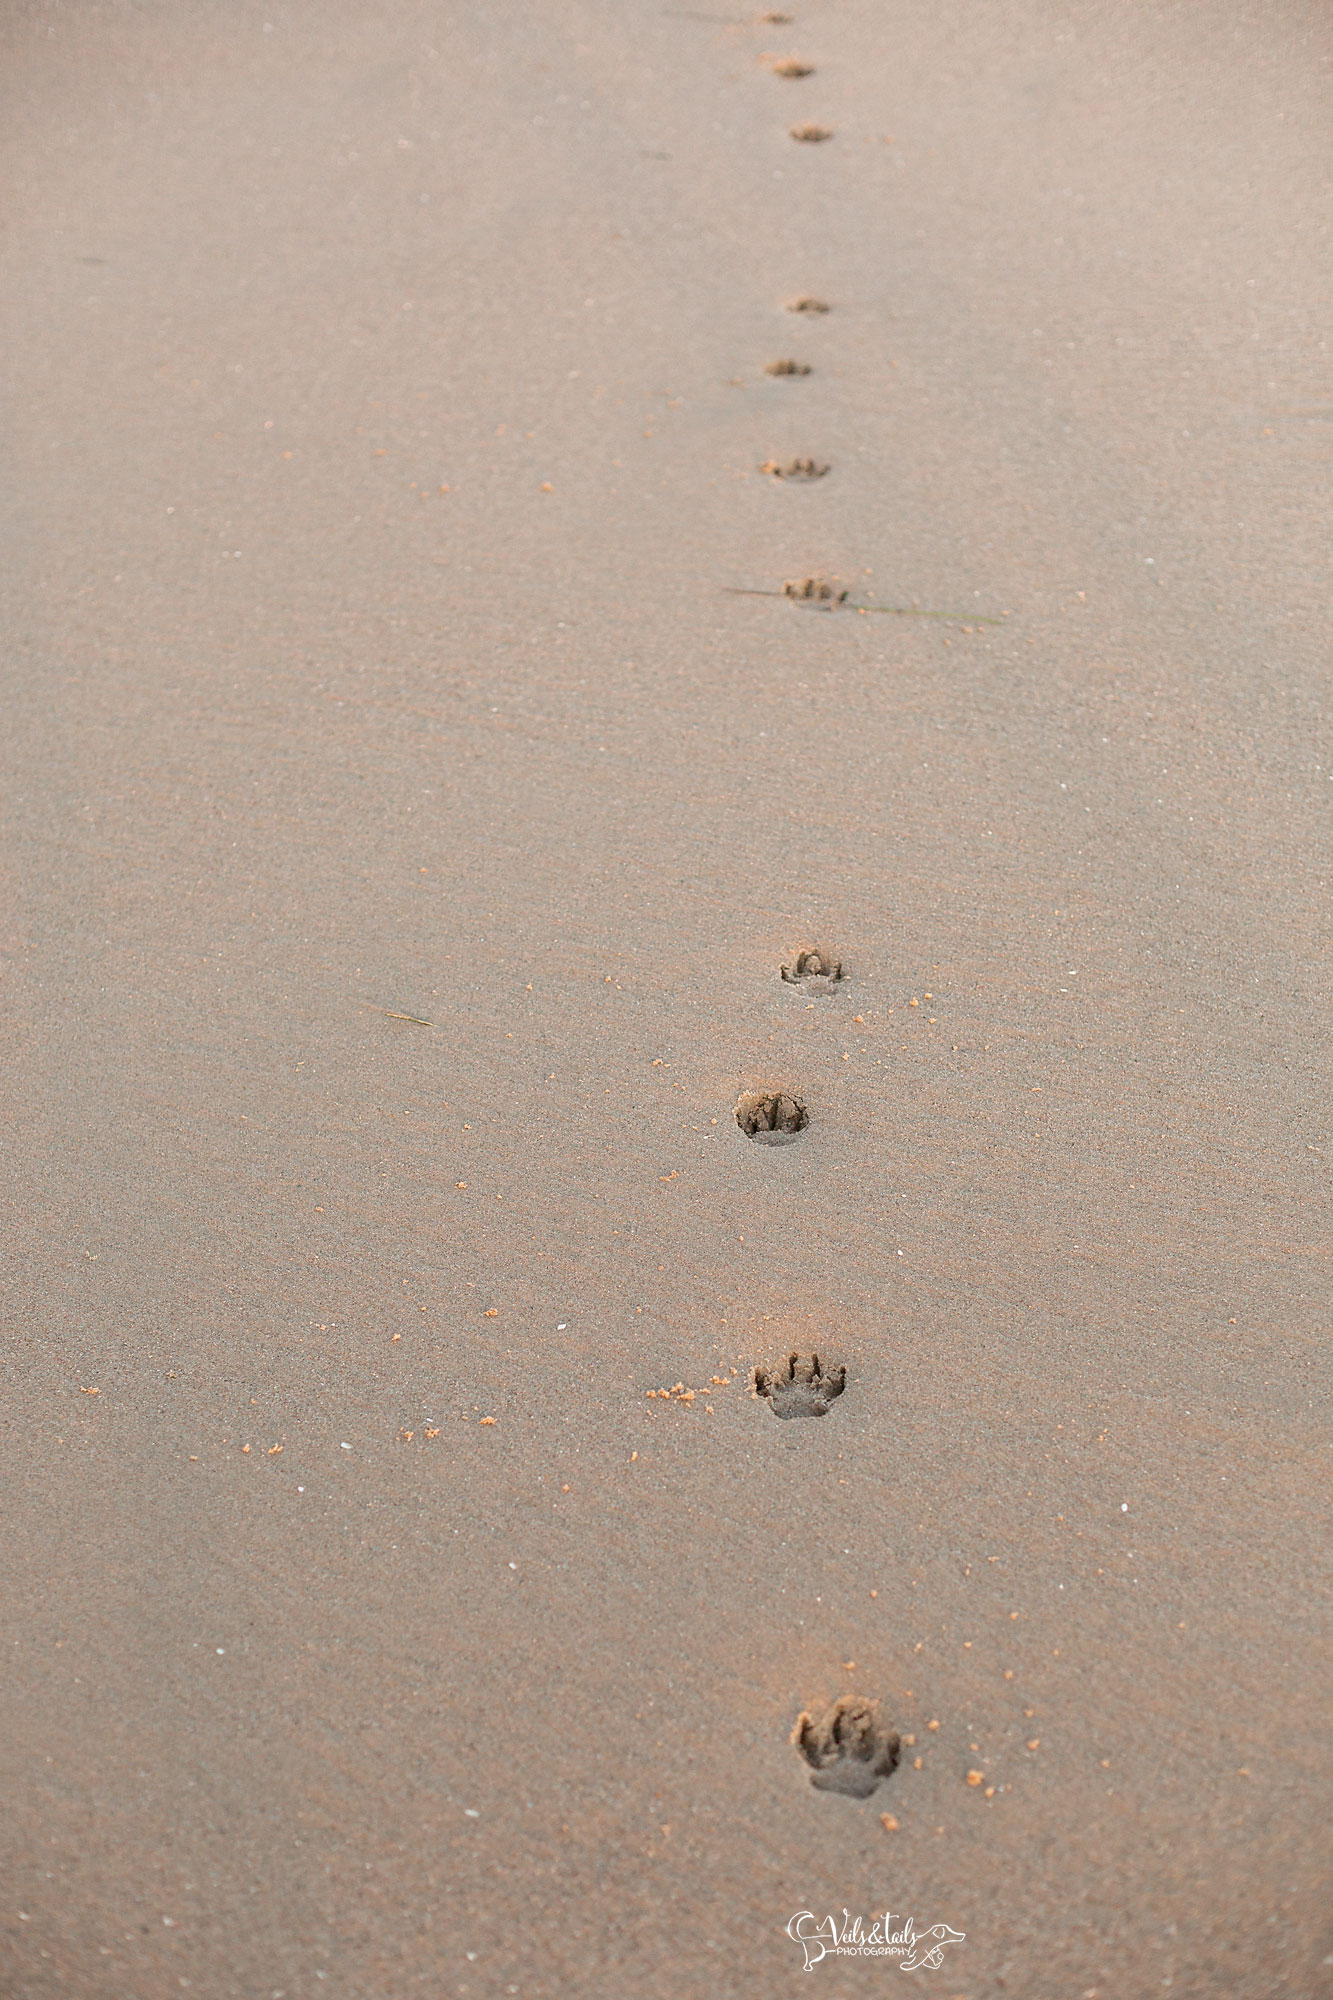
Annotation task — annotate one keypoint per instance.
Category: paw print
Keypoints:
(801, 1388)
(773, 1120)
(800, 470)
(817, 971)
(820, 591)
(849, 1749)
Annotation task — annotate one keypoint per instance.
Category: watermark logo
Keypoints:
(915, 1951)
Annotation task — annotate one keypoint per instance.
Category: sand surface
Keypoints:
(385, 403)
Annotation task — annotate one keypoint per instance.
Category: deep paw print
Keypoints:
(849, 1748)
(788, 368)
(819, 590)
(799, 470)
(816, 971)
(807, 304)
(810, 135)
(772, 1119)
(800, 1388)
(791, 66)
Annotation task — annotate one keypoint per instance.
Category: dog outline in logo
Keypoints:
(813, 1947)
(928, 1957)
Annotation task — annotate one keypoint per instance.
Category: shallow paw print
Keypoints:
(849, 1748)
(822, 591)
(798, 469)
(800, 1388)
(788, 367)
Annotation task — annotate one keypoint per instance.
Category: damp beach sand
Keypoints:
(503, 1001)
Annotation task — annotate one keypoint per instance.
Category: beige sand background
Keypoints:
(385, 400)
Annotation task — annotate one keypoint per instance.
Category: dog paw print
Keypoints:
(797, 469)
(816, 971)
(810, 135)
(772, 1120)
(815, 590)
(800, 1388)
(849, 1748)
(788, 367)
(806, 303)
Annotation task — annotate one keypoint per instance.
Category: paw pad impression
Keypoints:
(801, 471)
(772, 1120)
(817, 971)
(800, 1388)
(820, 590)
(849, 1748)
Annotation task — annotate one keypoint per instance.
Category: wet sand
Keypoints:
(407, 812)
